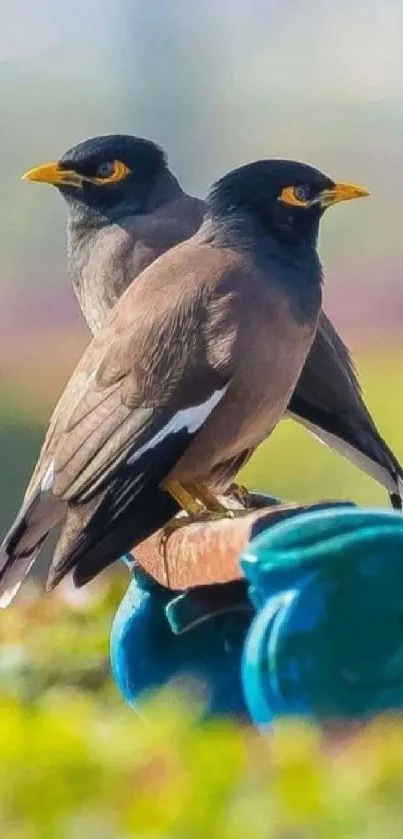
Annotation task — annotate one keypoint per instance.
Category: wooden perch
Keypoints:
(205, 553)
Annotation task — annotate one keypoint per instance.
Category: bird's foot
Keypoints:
(211, 503)
(241, 494)
(184, 497)
(196, 499)
(173, 525)
(206, 517)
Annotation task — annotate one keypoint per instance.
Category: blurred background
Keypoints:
(217, 84)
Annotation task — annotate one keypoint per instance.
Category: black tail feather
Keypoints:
(133, 507)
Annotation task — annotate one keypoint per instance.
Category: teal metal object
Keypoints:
(327, 639)
(160, 635)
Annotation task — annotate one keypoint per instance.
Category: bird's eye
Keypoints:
(302, 193)
(108, 172)
(298, 195)
(105, 170)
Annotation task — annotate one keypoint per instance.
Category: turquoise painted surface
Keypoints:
(327, 639)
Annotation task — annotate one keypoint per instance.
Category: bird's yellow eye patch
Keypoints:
(110, 173)
(296, 196)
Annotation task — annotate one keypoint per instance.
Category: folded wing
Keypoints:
(144, 387)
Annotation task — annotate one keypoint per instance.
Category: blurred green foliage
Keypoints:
(76, 763)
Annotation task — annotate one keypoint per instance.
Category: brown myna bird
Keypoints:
(194, 367)
(125, 208)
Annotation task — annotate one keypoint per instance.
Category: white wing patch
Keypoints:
(47, 480)
(189, 418)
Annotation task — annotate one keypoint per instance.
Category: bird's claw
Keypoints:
(206, 517)
(171, 527)
(241, 494)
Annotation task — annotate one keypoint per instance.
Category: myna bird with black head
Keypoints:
(195, 365)
(125, 208)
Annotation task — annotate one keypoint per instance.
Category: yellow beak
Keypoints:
(342, 192)
(52, 173)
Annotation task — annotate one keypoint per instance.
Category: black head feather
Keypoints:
(137, 153)
(145, 161)
(254, 192)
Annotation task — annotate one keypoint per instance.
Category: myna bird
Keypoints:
(125, 208)
(194, 366)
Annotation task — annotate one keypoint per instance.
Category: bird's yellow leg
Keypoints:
(189, 497)
(184, 498)
(186, 502)
(210, 501)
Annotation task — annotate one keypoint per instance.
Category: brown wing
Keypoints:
(137, 398)
(168, 346)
